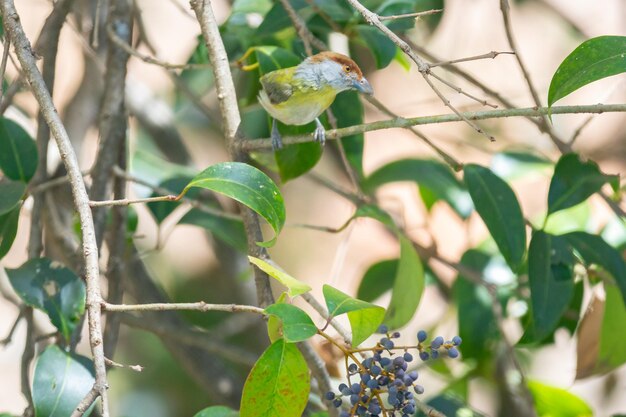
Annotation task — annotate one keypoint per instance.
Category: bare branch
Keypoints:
(199, 306)
(129, 201)
(407, 15)
(265, 144)
(12, 25)
(489, 55)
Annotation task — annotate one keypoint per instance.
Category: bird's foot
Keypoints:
(277, 142)
(320, 133)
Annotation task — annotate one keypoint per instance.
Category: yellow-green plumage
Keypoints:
(300, 94)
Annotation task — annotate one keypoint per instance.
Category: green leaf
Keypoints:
(551, 279)
(556, 402)
(277, 19)
(450, 404)
(250, 187)
(18, 151)
(297, 159)
(217, 411)
(612, 352)
(294, 286)
(364, 317)
(297, 325)
(52, 288)
(378, 279)
(594, 250)
(383, 49)
(364, 323)
(161, 209)
(574, 181)
(278, 385)
(12, 193)
(511, 165)
(227, 229)
(477, 325)
(429, 175)
(571, 219)
(407, 288)
(348, 110)
(274, 325)
(397, 7)
(60, 382)
(8, 230)
(497, 205)
(592, 60)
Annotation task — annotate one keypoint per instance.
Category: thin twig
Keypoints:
(422, 66)
(265, 144)
(12, 25)
(308, 39)
(406, 15)
(149, 59)
(85, 403)
(199, 306)
(461, 91)
(227, 98)
(3, 65)
(9, 336)
(136, 368)
(129, 201)
(489, 55)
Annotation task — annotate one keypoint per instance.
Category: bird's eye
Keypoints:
(347, 68)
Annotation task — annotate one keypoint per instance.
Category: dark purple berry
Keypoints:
(421, 336)
(330, 395)
(374, 408)
(408, 357)
(382, 329)
(434, 354)
(375, 370)
(355, 388)
(353, 368)
(413, 375)
(395, 335)
(453, 352)
(456, 340)
(436, 342)
(372, 384)
(424, 356)
(337, 402)
(418, 389)
(398, 361)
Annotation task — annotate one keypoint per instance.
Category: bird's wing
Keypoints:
(277, 90)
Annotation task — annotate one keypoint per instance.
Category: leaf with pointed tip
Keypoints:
(250, 187)
(551, 279)
(574, 181)
(296, 324)
(407, 288)
(60, 383)
(364, 317)
(12, 193)
(497, 205)
(592, 60)
(18, 151)
(432, 177)
(294, 286)
(278, 385)
(52, 288)
(594, 250)
(8, 229)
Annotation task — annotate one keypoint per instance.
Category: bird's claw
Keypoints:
(277, 142)
(320, 133)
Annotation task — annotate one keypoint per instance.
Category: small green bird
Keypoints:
(298, 95)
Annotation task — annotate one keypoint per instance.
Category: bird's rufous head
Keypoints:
(341, 71)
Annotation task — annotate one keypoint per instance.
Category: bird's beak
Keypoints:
(363, 86)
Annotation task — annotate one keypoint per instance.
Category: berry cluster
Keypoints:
(386, 375)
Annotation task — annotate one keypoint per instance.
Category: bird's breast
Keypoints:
(304, 105)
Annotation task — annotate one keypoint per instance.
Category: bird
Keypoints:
(299, 95)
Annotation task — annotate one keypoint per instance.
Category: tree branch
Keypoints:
(12, 25)
(265, 144)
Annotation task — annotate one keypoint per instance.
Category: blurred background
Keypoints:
(188, 264)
